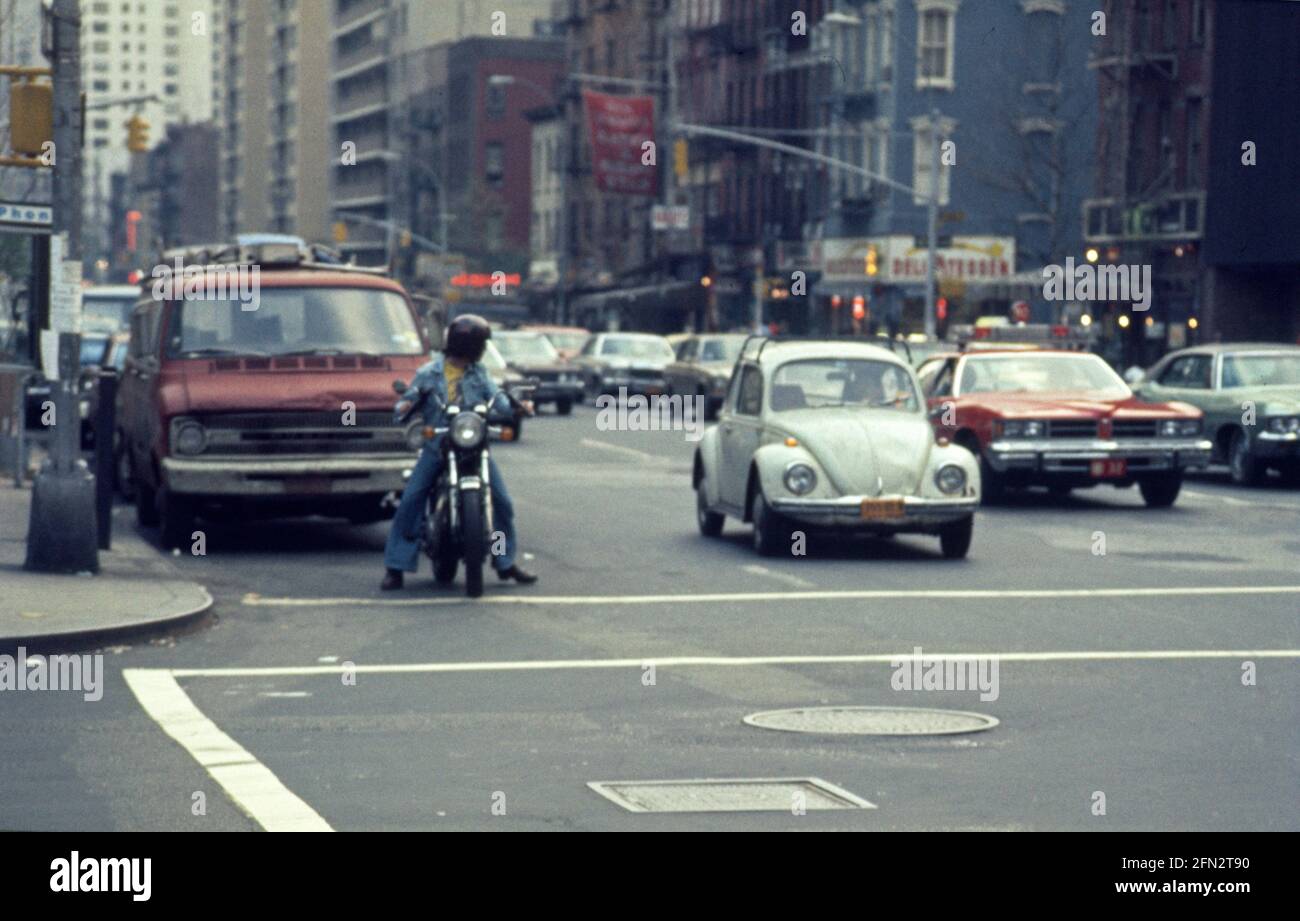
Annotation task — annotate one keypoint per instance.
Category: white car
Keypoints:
(831, 435)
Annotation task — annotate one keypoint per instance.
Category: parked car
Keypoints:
(831, 435)
(559, 383)
(1061, 419)
(1250, 394)
(282, 410)
(568, 340)
(611, 362)
(509, 379)
(703, 368)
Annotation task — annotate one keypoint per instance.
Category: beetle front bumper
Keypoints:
(1067, 456)
(847, 512)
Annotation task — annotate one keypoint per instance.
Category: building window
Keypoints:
(924, 140)
(496, 102)
(936, 31)
(1193, 131)
(1198, 21)
(494, 164)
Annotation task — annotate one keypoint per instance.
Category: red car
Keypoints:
(1060, 419)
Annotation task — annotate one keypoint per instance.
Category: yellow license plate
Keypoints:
(878, 509)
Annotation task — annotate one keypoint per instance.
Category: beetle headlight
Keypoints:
(950, 479)
(1284, 425)
(800, 479)
(468, 430)
(188, 437)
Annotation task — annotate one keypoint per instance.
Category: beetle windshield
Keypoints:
(1045, 372)
(527, 347)
(297, 321)
(1264, 369)
(819, 383)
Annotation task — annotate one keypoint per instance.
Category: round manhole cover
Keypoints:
(872, 721)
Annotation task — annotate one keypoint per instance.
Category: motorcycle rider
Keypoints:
(457, 377)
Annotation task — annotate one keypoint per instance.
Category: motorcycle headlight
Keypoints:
(950, 479)
(468, 430)
(800, 479)
(1174, 428)
(1284, 425)
(188, 437)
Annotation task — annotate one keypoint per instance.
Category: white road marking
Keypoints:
(253, 599)
(606, 446)
(247, 781)
(734, 662)
(778, 576)
(284, 694)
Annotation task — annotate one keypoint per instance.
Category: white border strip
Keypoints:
(253, 599)
(730, 661)
(247, 781)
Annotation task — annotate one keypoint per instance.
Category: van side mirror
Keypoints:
(400, 388)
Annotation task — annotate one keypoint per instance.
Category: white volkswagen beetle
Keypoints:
(831, 435)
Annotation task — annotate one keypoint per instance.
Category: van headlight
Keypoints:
(800, 479)
(468, 430)
(950, 479)
(188, 437)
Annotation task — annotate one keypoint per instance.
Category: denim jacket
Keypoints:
(476, 386)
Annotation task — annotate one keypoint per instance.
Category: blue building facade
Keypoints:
(1004, 88)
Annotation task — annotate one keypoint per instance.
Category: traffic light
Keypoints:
(137, 134)
(873, 260)
(681, 158)
(31, 119)
(340, 232)
(404, 239)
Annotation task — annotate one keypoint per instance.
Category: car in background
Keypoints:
(634, 362)
(1250, 394)
(1060, 419)
(831, 435)
(558, 383)
(107, 308)
(509, 380)
(703, 368)
(568, 340)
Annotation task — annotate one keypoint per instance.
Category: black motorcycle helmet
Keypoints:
(467, 337)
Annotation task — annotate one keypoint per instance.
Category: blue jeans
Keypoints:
(403, 549)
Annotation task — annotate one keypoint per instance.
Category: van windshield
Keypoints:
(296, 321)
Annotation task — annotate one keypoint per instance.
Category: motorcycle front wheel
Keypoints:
(473, 540)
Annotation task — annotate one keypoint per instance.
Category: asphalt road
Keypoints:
(1119, 674)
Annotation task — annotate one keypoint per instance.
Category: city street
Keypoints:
(644, 646)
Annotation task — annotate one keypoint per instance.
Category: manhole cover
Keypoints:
(872, 721)
(784, 794)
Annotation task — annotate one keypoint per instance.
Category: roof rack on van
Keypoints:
(269, 252)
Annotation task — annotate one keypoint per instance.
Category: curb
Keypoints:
(122, 630)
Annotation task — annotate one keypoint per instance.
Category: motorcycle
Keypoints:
(458, 525)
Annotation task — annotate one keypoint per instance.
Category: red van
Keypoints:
(274, 404)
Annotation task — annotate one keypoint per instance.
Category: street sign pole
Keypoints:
(931, 325)
(62, 534)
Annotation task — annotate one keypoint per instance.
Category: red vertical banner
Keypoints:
(619, 127)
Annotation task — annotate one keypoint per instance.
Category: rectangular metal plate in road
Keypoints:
(771, 794)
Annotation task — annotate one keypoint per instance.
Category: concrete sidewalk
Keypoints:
(136, 590)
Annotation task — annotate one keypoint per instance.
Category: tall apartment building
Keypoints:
(275, 118)
(379, 60)
(151, 57)
(1186, 86)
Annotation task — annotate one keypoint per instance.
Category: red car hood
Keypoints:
(200, 390)
(1074, 405)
